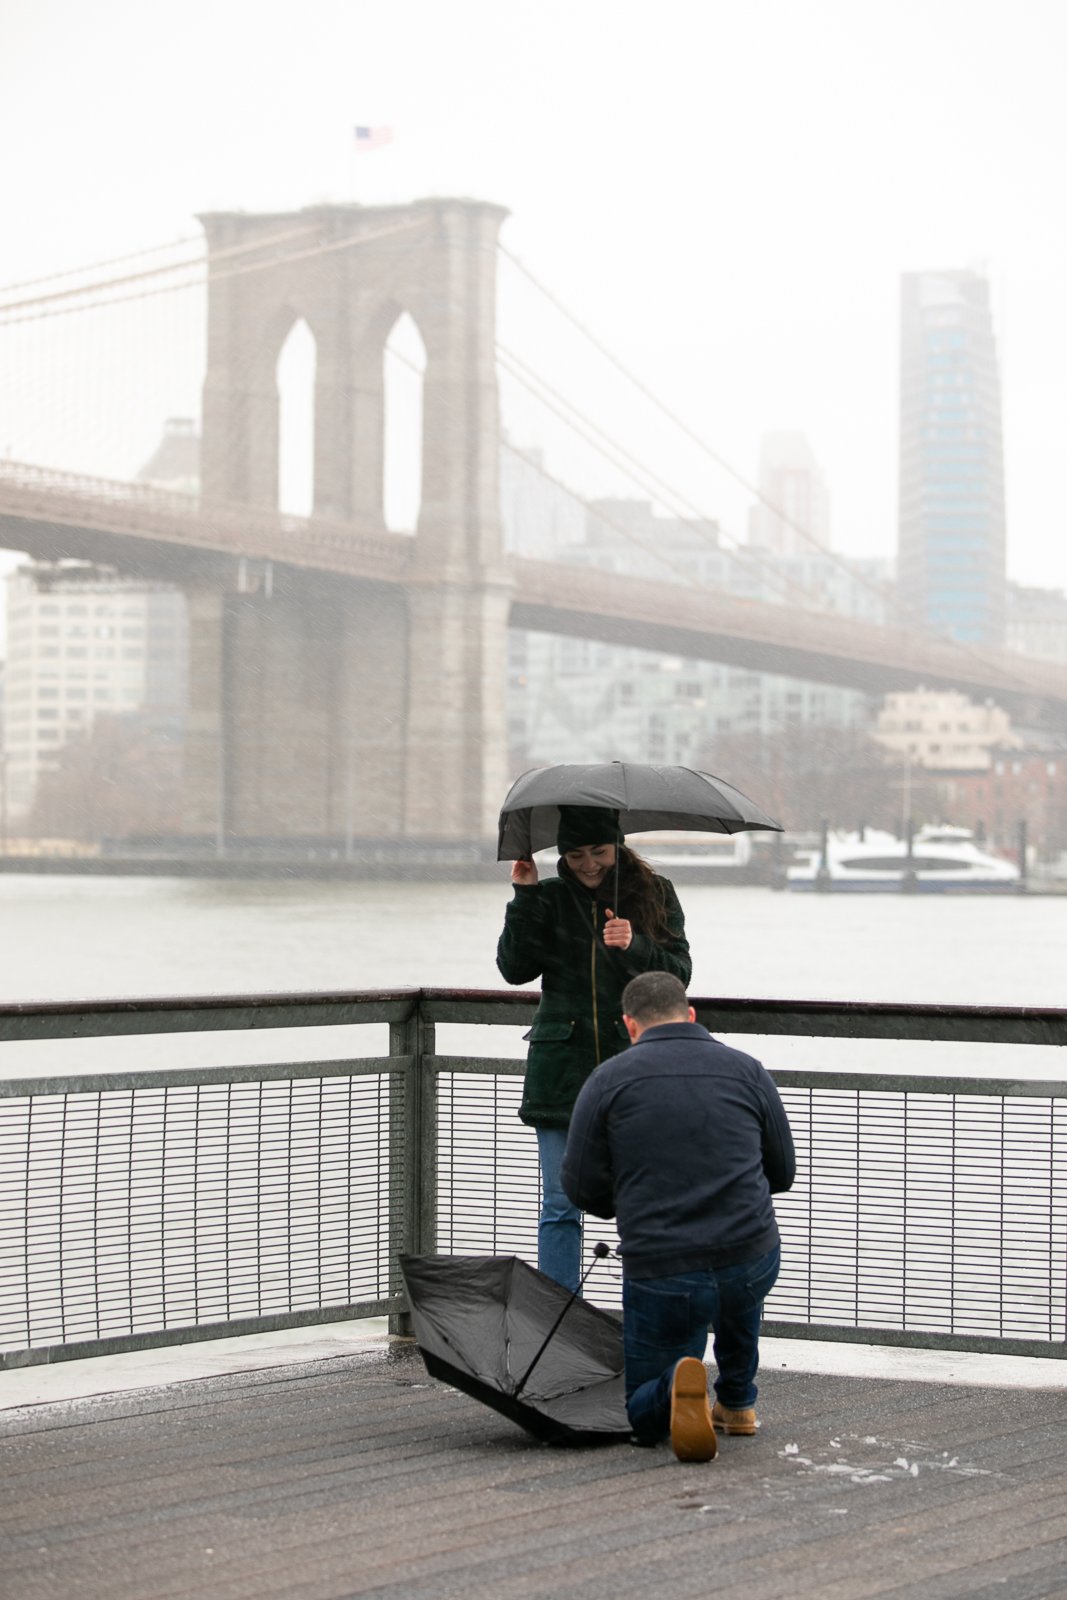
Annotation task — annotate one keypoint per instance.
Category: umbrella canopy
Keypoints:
(482, 1322)
(646, 798)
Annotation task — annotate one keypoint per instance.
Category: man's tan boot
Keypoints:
(692, 1430)
(727, 1421)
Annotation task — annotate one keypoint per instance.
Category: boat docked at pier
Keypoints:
(941, 860)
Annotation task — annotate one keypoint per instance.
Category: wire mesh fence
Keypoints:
(127, 1213)
(915, 1212)
(140, 1209)
(926, 1212)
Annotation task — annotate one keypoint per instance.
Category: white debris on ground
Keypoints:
(886, 1469)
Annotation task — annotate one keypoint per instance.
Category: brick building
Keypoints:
(1018, 786)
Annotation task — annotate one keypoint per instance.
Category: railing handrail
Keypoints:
(24, 1020)
(70, 1020)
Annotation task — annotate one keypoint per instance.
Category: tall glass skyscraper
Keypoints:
(951, 532)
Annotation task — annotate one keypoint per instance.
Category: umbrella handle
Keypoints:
(600, 1250)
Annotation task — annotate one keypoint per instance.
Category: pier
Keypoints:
(355, 1474)
(926, 1239)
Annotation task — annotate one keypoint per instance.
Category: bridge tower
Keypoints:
(336, 708)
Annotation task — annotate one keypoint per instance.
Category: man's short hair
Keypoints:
(655, 997)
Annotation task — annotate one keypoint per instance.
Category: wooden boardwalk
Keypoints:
(360, 1476)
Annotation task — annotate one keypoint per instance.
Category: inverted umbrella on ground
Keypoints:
(647, 799)
(517, 1341)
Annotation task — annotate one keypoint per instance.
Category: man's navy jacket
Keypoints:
(683, 1140)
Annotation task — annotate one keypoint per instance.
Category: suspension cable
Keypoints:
(209, 277)
(98, 266)
(906, 614)
(693, 517)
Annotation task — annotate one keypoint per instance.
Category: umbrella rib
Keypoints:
(582, 1387)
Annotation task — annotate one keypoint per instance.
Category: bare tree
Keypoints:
(804, 775)
(121, 781)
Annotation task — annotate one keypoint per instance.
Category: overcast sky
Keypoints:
(725, 192)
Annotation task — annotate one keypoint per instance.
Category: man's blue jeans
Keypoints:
(665, 1319)
(559, 1231)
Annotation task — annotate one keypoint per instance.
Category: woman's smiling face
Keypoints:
(591, 863)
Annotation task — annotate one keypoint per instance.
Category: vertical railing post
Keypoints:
(412, 1139)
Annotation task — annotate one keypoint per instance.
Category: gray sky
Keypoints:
(726, 193)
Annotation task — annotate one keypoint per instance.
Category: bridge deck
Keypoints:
(359, 1476)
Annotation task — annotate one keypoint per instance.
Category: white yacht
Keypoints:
(943, 859)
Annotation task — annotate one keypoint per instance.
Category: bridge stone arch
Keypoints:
(403, 369)
(351, 271)
(395, 723)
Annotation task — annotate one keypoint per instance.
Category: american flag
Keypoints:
(373, 138)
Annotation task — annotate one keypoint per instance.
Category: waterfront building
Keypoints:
(580, 700)
(1037, 622)
(951, 517)
(792, 515)
(539, 516)
(941, 730)
(83, 643)
(1016, 785)
(175, 462)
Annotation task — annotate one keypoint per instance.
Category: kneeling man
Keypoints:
(684, 1140)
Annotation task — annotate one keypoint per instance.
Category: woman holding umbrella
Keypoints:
(603, 919)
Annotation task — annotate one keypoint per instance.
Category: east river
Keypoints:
(82, 937)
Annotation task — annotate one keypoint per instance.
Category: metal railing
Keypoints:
(163, 1206)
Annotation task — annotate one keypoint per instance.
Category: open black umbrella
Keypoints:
(514, 1339)
(647, 799)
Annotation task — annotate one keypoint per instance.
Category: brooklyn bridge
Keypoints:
(338, 669)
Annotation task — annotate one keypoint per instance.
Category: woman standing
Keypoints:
(605, 918)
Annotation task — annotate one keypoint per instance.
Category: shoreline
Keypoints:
(428, 866)
(423, 866)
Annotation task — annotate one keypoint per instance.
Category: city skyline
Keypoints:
(745, 265)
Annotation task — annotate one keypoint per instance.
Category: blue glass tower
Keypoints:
(951, 530)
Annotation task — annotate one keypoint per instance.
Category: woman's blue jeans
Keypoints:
(559, 1230)
(665, 1319)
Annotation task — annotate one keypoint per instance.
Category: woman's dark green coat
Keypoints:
(553, 931)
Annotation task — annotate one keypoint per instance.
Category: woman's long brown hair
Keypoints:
(641, 892)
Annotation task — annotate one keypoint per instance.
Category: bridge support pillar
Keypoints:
(456, 710)
(204, 776)
(297, 710)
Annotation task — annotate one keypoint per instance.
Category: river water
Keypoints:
(81, 937)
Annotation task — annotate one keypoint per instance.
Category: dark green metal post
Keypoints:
(412, 1152)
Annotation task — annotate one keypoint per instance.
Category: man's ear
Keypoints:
(692, 1014)
(633, 1028)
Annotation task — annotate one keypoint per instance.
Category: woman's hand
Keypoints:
(524, 873)
(617, 932)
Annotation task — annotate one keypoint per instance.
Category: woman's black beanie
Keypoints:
(580, 825)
